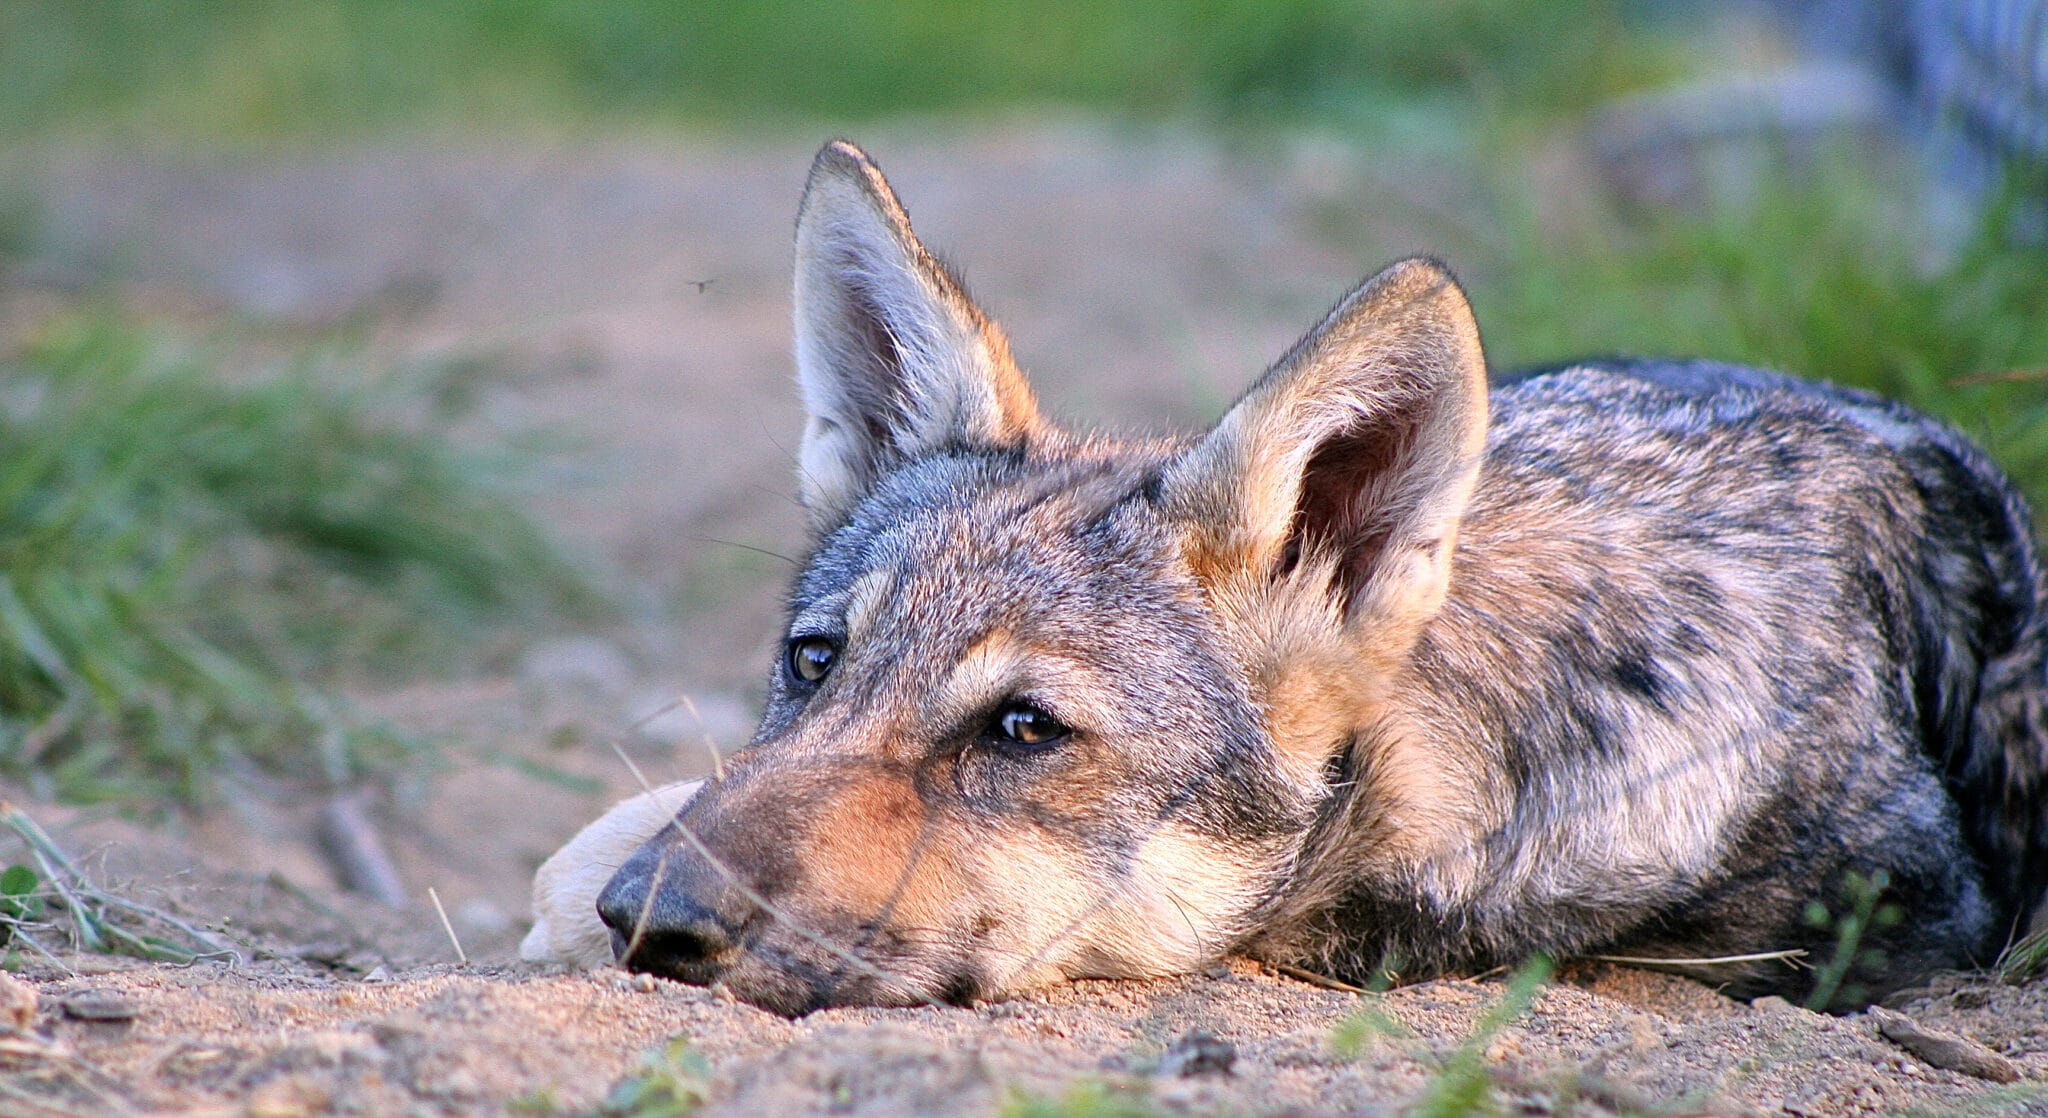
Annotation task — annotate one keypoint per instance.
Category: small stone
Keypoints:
(378, 974)
(1772, 1003)
(643, 983)
(1200, 1052)
(192, 1062)
(98, 1004)
(1219, 970)
(1945, 1050)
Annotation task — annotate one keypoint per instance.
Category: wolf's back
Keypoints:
(1981, 624)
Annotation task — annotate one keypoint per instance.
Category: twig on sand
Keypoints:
(1314, 979)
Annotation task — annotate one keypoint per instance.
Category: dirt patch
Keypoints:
(632, 295)
(278, 1039)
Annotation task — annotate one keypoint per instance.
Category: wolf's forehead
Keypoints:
(982, 545)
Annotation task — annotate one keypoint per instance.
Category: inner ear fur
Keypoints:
(1344, 471)
(893, 359)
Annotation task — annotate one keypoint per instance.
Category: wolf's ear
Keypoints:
(1352, 459)
(893, 358)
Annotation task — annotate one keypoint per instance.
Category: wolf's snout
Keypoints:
(670, 916)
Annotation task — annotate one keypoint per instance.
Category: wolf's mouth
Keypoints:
(788, 984)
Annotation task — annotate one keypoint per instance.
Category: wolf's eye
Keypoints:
(1027, 725)
(811, 657)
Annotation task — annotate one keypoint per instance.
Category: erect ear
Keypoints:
(894, 359)
(1351, 461)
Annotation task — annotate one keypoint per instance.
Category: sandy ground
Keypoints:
(631, 294)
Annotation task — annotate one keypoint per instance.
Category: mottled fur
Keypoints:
(1392, 667)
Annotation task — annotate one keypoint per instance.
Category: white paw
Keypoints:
(565, 888)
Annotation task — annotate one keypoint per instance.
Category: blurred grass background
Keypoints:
(183, 556)
(263, 69)
(179, 552)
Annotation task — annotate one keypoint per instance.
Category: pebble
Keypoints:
(98, 1004)
(1200, 1052)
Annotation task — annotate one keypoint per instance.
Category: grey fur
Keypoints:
(1715, 643)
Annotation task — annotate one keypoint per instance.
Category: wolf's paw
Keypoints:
(566, 928)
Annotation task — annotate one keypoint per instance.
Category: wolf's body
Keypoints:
(1716, 640)
(1645, 658)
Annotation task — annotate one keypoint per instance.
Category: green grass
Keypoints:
(1464, 1085)
(182, 552)
(1821, 273)
(669, 1082)
(1859, 909)
(310, 68)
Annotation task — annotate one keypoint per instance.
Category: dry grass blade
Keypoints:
(711, 747)
(1790, 955)
(461, 956)
(2025, 958)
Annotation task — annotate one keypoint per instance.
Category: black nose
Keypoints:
(666, 918)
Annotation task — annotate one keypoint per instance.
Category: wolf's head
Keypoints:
(1050, 706)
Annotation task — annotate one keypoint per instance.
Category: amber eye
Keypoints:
(810, 658)
(1027, 725)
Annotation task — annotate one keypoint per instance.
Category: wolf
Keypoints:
(1396, 669)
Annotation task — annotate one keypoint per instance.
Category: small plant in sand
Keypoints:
(2026, 958)
(49, 895)
(20, 900)
(1086, 1098)
(1464, 1085)
(669, 1081)
(1861, 909)
(1370, 1021)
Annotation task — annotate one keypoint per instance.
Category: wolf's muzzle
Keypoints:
(672, 914)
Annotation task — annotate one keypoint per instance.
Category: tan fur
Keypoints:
(867, 598)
